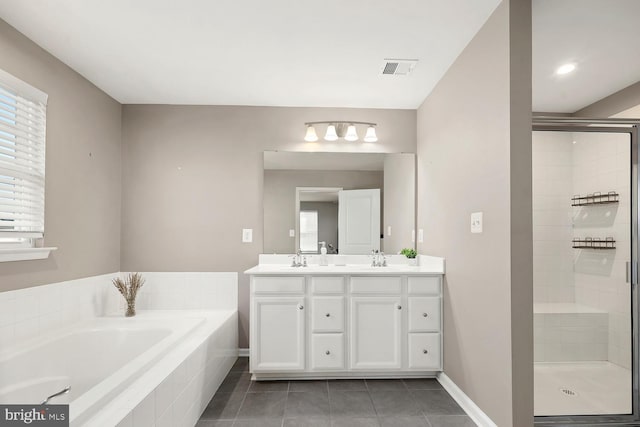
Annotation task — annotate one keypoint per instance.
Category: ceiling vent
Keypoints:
(398, 67)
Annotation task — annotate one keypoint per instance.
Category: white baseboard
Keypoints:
(243, 352)
(474, 412)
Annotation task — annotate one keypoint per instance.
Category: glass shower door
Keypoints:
(583, 242)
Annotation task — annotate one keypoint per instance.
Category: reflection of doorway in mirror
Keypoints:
(317, 218)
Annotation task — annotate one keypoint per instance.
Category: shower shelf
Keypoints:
(595, 199)
(594, 243)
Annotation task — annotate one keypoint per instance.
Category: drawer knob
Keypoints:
(328, 315)
(424, 351)
(399, 307)
(300, 307)
(327, 352)
(424, 315)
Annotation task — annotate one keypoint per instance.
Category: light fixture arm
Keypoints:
(346, 122)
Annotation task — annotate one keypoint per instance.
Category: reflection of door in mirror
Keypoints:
(359, 221)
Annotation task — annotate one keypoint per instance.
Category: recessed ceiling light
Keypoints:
(565, 69)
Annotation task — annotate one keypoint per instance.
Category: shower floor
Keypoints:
(592, 388)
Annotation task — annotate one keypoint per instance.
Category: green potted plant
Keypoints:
(411, 255)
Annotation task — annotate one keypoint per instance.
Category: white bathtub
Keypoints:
(99, 359)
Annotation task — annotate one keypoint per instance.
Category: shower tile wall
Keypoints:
(601, 163)
(552, 234)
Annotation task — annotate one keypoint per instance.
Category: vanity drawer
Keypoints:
(327, 351)
(424, 351)
(327, 285)
(327, 314)
(424, 285)
(424, 314)
(376, 285)
(278, 285)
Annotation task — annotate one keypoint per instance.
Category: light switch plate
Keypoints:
(247, 235)
(292, 233)
(388, 230)
(420, 235)
(476, 222)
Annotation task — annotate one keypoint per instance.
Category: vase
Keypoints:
(413, 262)
(131, 308)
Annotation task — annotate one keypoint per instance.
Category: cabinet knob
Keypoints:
(399, 307)
(327, 352)
(300, 307)
(424, 351)
(424, 315)
(328, 315)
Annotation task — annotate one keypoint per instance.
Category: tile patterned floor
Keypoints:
(241, 402)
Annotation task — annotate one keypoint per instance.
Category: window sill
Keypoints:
(24, 254)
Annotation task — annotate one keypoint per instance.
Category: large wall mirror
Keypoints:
(350, 202)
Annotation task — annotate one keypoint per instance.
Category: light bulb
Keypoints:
(331, 134)
(371, 134)
(311, 135)
(351, 135)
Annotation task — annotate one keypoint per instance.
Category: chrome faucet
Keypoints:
(65, 390)
(378, 259)
(299, 260)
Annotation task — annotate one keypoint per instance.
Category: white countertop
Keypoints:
(280, 265)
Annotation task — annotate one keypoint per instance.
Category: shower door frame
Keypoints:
(630, 127)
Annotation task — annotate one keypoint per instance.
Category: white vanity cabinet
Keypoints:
(332, 325)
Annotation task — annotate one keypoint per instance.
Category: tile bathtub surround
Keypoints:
(411, 402)
(27, 313)
(30, 312)
(183, 291)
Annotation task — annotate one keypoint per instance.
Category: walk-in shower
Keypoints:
(585, 270)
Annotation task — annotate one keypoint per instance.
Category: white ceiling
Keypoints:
(324, 54)
(599, 36)
(279, 52)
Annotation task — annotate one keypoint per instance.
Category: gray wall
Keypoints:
(618, 102)
(280, 204)
(327, 221)
(474, 154)
(194, 179)
(399, 202)
(83, 178)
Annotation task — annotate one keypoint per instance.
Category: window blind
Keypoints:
(309, 231)
(22, 159)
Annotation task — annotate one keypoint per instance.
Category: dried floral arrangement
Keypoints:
(129, 290)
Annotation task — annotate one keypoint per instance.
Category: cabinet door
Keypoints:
(375, 333)
(277, 337)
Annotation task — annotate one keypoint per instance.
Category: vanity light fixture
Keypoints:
(341, 129)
